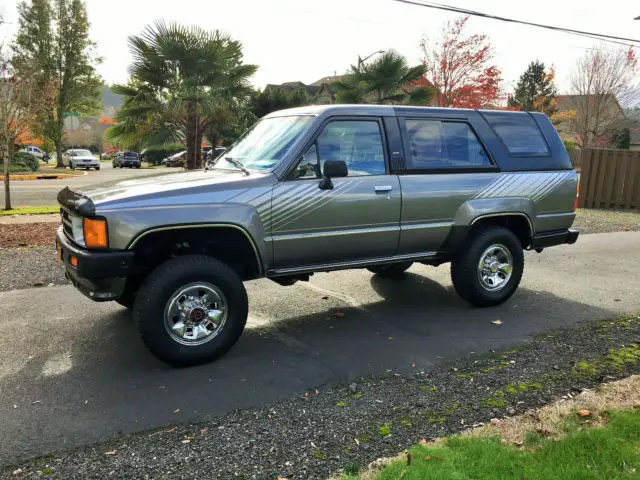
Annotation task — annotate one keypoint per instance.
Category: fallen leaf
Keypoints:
(111, 452)
(316, 391)
(18, 471)
(390, 338)
(584, 413)
(37, 283)
(186, 440)
(35, 402)
(497, 322)
(15, 406)
(427, 458)
(423, 442)
(339, 314)
(357, 441)
(281, 478)
(177, 410)
(203, 430)
(413, 365)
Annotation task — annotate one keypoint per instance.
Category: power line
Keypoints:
(597, 36)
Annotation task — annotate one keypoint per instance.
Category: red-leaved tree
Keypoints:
(458, 66)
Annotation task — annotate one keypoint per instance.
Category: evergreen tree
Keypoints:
(53, 46)
(536, 90)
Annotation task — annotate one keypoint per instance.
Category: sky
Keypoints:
(302, 40)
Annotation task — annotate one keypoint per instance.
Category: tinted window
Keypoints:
(131, 155)
(434, 144)
(519, 132)
(358, 143)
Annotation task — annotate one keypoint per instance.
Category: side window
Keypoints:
(356, 142)
(434, 144)
(519, 132)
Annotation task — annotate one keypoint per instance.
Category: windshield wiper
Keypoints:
(238, 164)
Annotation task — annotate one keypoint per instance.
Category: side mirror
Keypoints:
(332, 169)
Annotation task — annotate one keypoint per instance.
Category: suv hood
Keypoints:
(183, 188)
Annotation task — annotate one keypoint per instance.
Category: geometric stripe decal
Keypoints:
(535, 185)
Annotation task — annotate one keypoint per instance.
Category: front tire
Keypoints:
(489, 267)
(392, 270)
(191, 310)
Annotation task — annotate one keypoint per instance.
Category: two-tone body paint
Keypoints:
(294, 222)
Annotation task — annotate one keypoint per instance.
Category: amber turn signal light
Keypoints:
(95, 233)
(74, 261)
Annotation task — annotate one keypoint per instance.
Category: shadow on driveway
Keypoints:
(92, 378)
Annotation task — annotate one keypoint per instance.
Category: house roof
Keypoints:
(328, 80)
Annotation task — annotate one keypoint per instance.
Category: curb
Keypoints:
(44, 176)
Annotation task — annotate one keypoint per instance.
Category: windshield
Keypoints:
(266, 143)
(80, 153)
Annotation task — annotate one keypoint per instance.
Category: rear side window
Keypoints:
(519, 132)
(434, 144)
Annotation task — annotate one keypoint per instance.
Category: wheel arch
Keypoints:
(244, 247)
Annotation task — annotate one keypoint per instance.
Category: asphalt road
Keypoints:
(43, 192)
(74, 372)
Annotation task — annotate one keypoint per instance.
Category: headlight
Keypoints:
(77, 230)
(95, 233)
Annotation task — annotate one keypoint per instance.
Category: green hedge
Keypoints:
(25, 161)
(154, 155)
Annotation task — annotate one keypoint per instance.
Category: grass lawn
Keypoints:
(31, 210)
(612, 451)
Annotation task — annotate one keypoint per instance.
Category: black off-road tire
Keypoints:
(156, 290)
(392, 270)
(464, 267)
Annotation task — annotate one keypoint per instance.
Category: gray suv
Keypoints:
(316, 189)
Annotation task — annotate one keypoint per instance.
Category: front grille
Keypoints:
(66, 223)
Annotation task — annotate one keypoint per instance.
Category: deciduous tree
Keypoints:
(17, 107)
(459, 66)
(536, 90)
(602, 80)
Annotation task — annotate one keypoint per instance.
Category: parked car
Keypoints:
(36, 152)
(177, 160)
(316, 189)
(215, 153)
(126, 159)
(80, 158)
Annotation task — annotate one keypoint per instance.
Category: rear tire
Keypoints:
(187, 297)
(392, 270)
(489, 267)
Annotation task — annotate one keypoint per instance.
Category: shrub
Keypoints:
(569, 144)
(154, 155)
(25, 161)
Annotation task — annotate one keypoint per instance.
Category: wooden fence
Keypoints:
(609, 179)
(576, 156)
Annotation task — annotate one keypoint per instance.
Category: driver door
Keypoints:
(358, 219)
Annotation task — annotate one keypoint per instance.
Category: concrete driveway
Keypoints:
(74, 372)
(44, 192)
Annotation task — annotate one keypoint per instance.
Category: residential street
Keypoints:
(44, 192)
(74, 371)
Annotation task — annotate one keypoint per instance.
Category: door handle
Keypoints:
(382, 188)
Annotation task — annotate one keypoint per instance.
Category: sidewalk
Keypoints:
(24, 219)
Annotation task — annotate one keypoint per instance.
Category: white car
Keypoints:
(77, 158)
(36, 152)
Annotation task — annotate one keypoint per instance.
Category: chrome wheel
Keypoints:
(495, 267)
(195, 313)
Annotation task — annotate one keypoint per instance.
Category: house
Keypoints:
(320, 90)
(569, 118)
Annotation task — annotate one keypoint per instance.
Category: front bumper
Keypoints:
(100, 275)
(550, 239)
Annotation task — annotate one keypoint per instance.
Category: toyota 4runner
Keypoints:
(316, 189)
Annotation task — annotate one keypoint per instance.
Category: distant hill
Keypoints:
(110, 101)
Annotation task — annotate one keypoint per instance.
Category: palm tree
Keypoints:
(386, 80)
(182, 78)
